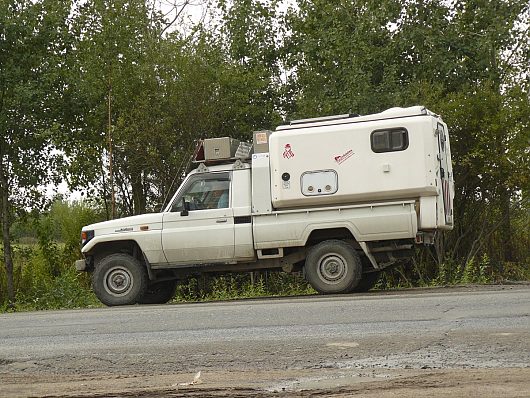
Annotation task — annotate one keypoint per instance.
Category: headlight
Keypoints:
(86, 236)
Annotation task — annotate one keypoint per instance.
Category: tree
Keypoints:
(251, 86)
(33, 46)
(116, 42)
(467, 60)
(469, 55)
(166, 91)
(342, 56)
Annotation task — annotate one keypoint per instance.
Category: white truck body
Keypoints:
(379, 182)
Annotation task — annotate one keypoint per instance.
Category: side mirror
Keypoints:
(185, 208)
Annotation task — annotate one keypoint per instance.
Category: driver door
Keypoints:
(205, 232)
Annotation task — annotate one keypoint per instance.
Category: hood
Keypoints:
(127, 224)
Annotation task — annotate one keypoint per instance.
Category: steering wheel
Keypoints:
(196, 203)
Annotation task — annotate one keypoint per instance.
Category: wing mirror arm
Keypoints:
(185, 208)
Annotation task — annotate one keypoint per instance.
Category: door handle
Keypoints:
(221, 221)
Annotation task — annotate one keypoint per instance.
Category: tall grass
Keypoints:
(243, 285)
(45, 277)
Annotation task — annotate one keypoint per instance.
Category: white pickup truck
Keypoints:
(340, 198)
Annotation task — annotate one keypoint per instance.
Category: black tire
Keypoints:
(367, 282)
(333, 266)
(119, 279)
(159, 293)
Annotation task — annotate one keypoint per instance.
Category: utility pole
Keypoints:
(111, 174)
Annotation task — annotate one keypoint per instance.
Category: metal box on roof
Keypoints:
(220, 148)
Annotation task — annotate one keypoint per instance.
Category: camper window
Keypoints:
(390, 140)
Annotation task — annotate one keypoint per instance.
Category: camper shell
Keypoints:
(396, 154)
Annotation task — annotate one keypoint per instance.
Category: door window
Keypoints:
(208, 191)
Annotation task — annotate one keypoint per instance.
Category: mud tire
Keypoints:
(119, 279)
(333, 267)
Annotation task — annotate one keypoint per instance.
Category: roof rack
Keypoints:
(392, 113)
(321, 119)
(213, 151)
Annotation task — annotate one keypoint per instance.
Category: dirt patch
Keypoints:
(408, 383)
(453, 364)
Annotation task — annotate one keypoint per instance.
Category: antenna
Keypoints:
(182, 167)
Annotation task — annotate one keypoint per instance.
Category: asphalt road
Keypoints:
(260, 346)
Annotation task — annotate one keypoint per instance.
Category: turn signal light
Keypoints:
(86, 236)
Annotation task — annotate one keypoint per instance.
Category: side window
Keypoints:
(207, 191)
(390, 140)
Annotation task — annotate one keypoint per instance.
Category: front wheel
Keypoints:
(333, 266)
(119, 279)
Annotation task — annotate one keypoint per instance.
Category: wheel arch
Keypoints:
(129, 246)
(343, 233)
(319, 234)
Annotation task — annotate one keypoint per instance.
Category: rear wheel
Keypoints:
(119, 279)
(159, 293)
(367, 282)
(333, 266)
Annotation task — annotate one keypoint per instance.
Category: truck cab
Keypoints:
(209, 218)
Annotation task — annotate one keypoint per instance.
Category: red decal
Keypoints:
(288, 153)
(447, 196)
(342, 158)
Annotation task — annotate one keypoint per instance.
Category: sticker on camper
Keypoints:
(345, 156)
(261, 138)
(288, 153)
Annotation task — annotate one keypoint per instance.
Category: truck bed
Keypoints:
(366, 222)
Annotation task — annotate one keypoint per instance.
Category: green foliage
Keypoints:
(477, 271)
(34, 41)
(344, 56)
(39, 289)
(44, 275)
(159, 92)
(463, 60)
(67, 67)
(65, 221)
(233, 286)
